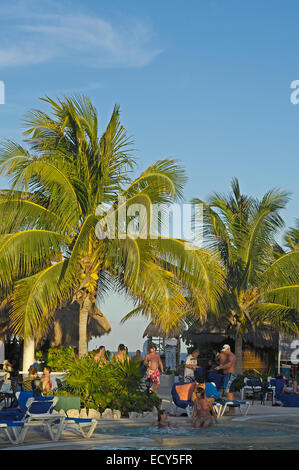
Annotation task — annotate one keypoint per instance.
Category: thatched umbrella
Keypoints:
(64, 330)
(153, 330)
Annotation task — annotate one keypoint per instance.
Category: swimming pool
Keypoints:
(223, 436)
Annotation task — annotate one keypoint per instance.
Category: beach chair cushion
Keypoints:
(185, 391)
(40, 406)
(175, 396)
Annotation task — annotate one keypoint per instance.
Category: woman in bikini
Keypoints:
(203, 410)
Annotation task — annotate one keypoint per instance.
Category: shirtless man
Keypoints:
(153, 361)
(229, 370)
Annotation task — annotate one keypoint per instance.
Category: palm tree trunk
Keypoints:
(83, 317)
(239, 353)
(28, 353)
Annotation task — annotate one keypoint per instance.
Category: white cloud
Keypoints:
(44, 37)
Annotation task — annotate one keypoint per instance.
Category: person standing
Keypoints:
(138, 358)
(153, 362)
(100, 356)
(229, 371)
(191, 366)
(121, 355)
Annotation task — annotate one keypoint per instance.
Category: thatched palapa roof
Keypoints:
(261, 337)
(64, 330)
(155, 331)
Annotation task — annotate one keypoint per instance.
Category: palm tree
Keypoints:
(292, 237)
(261, 286)
(54, 244)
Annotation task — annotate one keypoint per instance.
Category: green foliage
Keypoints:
(115, 386)
(59, 359)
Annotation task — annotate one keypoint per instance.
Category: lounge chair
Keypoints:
(182, 398)
(80, 424)
(181, 393)
(39, 413)
(253, 387)
(290, 400)
(31, 412)
(220, 405)
(12, 430)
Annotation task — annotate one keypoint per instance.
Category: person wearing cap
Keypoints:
(191, 366)
(229, 371)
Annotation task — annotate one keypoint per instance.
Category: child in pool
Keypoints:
(162, 420)
(203, 410)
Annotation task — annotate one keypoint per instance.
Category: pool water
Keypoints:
(230, 436)
(214, 431)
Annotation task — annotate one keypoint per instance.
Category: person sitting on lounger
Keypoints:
(46, 380)
(291, 387)
(32, 381)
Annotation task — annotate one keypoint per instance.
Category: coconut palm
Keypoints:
(292, 237)
(261, 286)
(63, 234)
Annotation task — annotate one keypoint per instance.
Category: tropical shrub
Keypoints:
(59, 359)
(116, 386)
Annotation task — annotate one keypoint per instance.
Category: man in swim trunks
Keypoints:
(229, 370)
(153, 362)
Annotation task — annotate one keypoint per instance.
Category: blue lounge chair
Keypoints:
(12, 430)
(21, 412)
(184, 404)
(220, 405)
(290, 400)
(80, 424)
(30, 412)
(210, 390)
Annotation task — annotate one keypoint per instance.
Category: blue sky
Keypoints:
(203, 81)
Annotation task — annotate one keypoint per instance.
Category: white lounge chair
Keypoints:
(39, 413)
(12, 430)
(80, 424)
